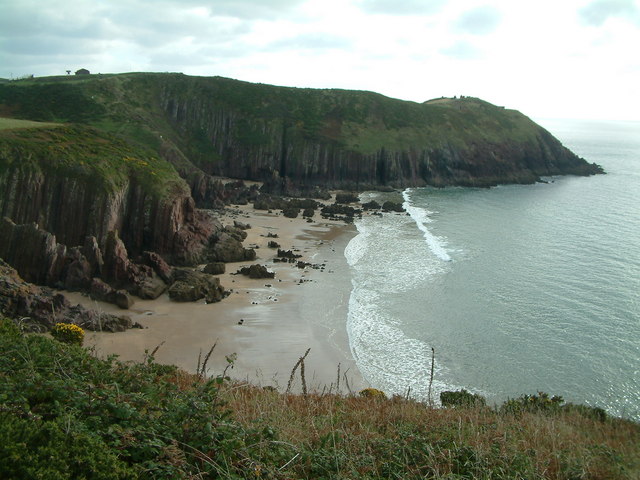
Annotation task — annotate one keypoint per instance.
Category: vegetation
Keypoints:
(145, 108)
(66, 414)
(92, 156)
(68, 333)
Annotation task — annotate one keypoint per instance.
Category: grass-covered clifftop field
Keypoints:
(66, 414)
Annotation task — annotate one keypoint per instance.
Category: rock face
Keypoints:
(40, 259)
(37, 186)
(358, 139)
(38, 309)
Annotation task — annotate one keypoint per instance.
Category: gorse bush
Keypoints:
(68, 333)
(462, 398)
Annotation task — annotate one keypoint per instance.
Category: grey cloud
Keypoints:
(461, 51)
(402, 7)
(479, 21)
(597, 13)
(243, 9)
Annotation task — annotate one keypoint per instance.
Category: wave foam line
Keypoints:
(421, 217)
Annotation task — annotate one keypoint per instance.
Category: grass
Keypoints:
(14, 123)
(66, 414)
(135, 105)
(91, 156)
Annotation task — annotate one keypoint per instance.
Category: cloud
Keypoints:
(479, 21)
(461, 51)
(402, 7)
(310, 41)
(598, 12)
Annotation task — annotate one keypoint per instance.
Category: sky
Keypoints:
(547, 58)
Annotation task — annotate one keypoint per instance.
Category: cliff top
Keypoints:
(86, 154)
(13, 123)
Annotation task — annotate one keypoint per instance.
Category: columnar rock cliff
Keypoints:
(75, 182)
(333, 138)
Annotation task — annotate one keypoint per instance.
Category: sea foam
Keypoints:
(421, 217)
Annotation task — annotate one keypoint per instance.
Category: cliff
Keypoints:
(333, 138)
(75, 182)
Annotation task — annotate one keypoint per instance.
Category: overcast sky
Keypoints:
(546, 58)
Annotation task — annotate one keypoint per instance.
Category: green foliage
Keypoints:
(372, 393)
(68, 333)
(99, 160)
(61, 102)
(541, 402)
(68, 414)
(462, 398)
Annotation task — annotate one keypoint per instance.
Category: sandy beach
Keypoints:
(265, 324)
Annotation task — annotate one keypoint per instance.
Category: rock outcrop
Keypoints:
(190, 286)
(71, 183)
(39, 259)
(256, 271)
(38, 309)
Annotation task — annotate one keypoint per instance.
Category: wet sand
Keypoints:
(267, 324)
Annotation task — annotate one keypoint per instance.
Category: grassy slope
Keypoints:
(73, 151)
(364, 122)
(62, 411)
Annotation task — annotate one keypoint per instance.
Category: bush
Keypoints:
(462, 398)
(533, 403)
(68, 333)
(372, 393)
(67, 414)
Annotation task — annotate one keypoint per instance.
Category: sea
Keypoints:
(511, 290)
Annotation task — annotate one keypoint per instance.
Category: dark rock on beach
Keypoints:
(256, 271)
(37, 309)
(190, 286)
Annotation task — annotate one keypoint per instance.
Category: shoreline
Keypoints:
(267, 324)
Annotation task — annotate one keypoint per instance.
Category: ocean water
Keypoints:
(518, 289)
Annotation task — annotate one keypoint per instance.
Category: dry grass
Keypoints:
(415, 440)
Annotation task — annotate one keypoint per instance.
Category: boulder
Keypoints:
(229, 249)
(78, 271)
(92, 253)
(256, 271)
(101, 291)
(214, 268)
(241, 226)
(38, 309)
(152, 287)
(158, 264)
(123, 300)
(189, 286)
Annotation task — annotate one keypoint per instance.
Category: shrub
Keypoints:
(533, 403)
(372, 393)
(68, 333)
(462, 398)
